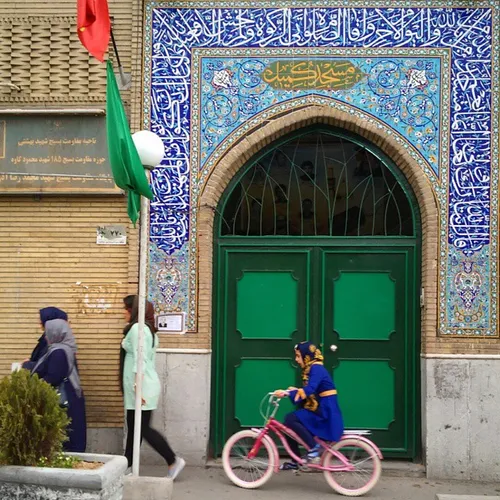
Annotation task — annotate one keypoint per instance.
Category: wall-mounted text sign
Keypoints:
(54, 153)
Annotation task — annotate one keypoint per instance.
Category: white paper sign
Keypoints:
(171, 322)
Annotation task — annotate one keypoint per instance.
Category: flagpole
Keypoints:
(123, 77)
(143, 265)
(150, 149)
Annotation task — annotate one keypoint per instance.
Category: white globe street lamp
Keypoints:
(150, 148)
(151, 151)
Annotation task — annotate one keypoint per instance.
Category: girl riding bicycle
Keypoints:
(319, 414)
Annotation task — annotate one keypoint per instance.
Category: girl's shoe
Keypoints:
(314, 453)
(289, 466)
(176, 468)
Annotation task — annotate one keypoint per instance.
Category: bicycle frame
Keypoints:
(281, 430)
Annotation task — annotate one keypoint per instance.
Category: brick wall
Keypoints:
(48, 248)
(41, 53)
(49, 256)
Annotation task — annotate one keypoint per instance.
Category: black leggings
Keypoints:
(292, 422)
(153, 437)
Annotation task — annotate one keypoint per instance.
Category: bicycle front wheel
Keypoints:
(365, 464)
(247, 472)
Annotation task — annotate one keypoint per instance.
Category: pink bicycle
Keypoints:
(352, 466)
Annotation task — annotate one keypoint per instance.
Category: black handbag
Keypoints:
(61, 390)
(63, 395)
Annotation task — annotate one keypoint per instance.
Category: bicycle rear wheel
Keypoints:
(366, 467)
(247, 472)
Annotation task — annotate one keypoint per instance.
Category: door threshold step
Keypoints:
(213, 463)
(390, 468)
(402, 468)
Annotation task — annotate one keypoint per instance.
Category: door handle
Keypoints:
(333, 348)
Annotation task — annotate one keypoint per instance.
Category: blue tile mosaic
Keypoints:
(405, 93)
(424, 69)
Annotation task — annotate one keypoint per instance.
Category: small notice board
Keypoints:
(171, 322)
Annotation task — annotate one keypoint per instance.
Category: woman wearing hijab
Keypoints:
(319, 413)
(150, 386)
(46, 314)
(58, 368)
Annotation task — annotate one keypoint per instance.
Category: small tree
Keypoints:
(32, 424)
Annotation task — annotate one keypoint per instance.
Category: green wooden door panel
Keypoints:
(266, 305)
(253, 380)
(369, 310)
(366, 388)
(264, 309)
(361, 297)
(371, 292)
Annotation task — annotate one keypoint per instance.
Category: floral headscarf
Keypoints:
(311, 355)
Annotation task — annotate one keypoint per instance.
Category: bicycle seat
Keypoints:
(363, 432)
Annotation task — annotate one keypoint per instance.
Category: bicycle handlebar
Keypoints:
(286, 393)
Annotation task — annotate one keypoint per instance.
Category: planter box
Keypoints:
(43, 483)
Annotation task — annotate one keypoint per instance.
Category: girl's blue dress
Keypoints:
(326, 421)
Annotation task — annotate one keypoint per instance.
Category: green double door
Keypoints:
(362, 299)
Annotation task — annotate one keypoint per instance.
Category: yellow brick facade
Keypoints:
(48, 249)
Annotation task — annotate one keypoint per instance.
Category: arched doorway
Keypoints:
(318, 237)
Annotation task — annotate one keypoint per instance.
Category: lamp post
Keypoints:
(151, 151)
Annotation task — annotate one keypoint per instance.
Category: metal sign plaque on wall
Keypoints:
(111, 235)
(54, 153)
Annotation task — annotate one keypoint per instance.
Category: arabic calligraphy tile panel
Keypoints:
(403, 92)
(467, 183)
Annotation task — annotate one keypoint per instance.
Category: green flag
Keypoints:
(128, 171)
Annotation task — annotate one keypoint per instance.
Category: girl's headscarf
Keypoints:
(48, 313)
(311, 355)
(60, 336)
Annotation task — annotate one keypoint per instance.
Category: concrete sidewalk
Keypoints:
(197, 483)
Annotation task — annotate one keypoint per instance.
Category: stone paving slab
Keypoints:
(147, 488)
(466, 497)
(198, 483)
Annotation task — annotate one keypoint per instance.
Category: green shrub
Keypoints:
(32, 424)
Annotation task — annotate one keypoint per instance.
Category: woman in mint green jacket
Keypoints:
(150, 387)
